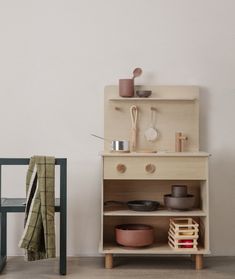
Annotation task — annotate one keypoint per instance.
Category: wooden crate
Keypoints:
(183, 233)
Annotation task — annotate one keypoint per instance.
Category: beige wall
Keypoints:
(56, 57)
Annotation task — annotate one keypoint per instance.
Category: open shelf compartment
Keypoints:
(126, 190)
(161, 228)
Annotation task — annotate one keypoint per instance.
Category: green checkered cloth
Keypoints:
(38, 238)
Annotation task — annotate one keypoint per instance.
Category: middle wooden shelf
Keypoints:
(160, 212)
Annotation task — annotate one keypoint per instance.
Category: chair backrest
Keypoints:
(62, 162)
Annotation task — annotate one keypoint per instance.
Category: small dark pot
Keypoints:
(179, 191)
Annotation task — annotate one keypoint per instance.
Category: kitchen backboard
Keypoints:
(176, 109)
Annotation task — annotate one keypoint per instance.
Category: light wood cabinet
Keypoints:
(155, 167)
(133, 176)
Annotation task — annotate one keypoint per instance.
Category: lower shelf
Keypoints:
(157, 248)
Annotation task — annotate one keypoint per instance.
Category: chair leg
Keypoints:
(63, 256)
(3, 240)
(63, 218)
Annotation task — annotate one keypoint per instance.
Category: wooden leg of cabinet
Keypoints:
(108, 261)
(198, 261)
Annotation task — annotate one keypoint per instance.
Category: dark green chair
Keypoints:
(16, 205)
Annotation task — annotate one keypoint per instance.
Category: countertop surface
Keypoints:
(155, 154)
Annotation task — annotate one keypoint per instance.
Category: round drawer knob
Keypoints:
(150, 168)
(121, 168)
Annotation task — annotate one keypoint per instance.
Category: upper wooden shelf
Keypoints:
(152, 99)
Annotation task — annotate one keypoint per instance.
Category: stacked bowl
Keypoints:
(179, 199)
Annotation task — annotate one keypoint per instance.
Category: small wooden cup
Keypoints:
(126, 87)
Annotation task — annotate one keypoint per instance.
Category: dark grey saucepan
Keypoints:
(179, 203)
(136, 205)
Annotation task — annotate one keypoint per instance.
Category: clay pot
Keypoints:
(134, 235)
(179, 203)
(126, 87)
(179, 191)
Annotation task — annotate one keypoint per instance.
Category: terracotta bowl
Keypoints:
(134, 235)
(179, 203)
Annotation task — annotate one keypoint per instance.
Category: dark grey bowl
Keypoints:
(179, 203)
(143, 93)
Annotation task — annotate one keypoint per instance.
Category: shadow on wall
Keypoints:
(84, 211)
(222, 206)
(205, 99)
(221, 179)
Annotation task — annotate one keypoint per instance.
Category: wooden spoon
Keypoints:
(137, 72)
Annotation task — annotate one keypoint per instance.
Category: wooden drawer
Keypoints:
(155, 167)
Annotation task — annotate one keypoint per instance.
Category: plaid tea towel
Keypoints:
(38, 238)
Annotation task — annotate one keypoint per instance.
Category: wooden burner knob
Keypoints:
(121, 168)
(150, 168)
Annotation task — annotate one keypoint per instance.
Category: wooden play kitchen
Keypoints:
(164, 165)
